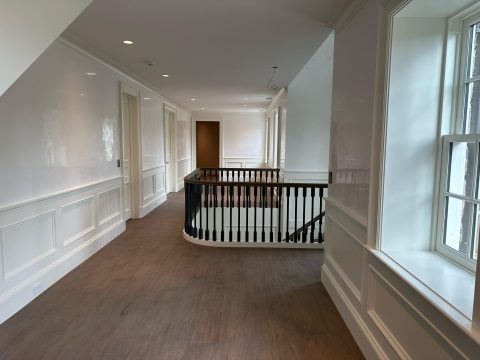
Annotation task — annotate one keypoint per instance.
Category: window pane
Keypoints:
(462, 158)
(474, 253)
(472, 102)
(474, 61)
(458, 215)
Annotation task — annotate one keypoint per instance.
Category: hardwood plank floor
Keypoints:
(151, 295)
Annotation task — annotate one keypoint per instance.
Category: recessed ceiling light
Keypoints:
(244, 105)
(165, 75)
(193, 99)
(90, 73)
(202, 108)
(245, 98)
(128, 42)
(146, 98)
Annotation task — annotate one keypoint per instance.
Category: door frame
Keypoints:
(173, 147)
(221, 161)
(135, 151)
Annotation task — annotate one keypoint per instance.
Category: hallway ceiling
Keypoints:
(216, 51)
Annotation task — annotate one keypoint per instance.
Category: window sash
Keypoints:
(466, 261)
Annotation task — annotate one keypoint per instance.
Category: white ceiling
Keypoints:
(217, 51)
(434, 8)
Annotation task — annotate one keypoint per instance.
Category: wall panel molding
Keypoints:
(31, 257)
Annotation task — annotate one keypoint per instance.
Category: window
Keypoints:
(460, 195)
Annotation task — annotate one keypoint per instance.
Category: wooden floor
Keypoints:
(151, 295)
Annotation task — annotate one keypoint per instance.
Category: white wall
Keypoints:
(243, 137)
(27, 28)
(413, 120)
(61, 198)
(391, 313)
(309, 113)
(183, 133)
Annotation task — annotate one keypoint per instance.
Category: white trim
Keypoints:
(57, 194)
(367, 342)
(346, 14)
(251, 244)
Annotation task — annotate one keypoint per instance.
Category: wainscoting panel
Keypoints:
(252, 163)
(387, 316)
(27, 242)
(184, 167)
(43, 239)
(109, 206)
(78, 219)
(153, 189)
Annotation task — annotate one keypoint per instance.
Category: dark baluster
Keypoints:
(264, 196)
(255, 213)
(271, 214)
(312, 231)
(214, 233)
(187, 208)
(207, 210)
(279, 204)
(230, 192)
(287, 235)
(247, 196)
(204, 174)
(249, 175)
(200, 231)
(239, 196)
(296, 213)
(320, 237)
(195, 205)
(304, 228)
(222, 193)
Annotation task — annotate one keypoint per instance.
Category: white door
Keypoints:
(127, 155)
(168, 153)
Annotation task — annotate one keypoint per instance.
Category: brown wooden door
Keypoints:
(208, 144)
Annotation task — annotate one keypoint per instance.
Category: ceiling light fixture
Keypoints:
(244, 105)
(146, 98)
(271, 84)
(193, 99)
(90, 73)
(165, 75)
(202, 108)
(128, 42)
(245, 98)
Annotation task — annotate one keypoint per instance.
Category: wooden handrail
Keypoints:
(306, 226)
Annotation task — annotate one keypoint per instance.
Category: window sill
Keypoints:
(447, 286)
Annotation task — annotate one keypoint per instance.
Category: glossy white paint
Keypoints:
(391, 313)
(43, 240)
(27, 28)
(412, 146)
(60, 140)
(309, 113)
(352, 111)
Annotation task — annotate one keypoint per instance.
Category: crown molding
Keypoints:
(345, 14)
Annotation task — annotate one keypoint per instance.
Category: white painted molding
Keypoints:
(242, 244)
(347, 211)
(57, 194)
(361, 332)
(346, 14)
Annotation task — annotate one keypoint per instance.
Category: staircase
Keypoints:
(252, 208)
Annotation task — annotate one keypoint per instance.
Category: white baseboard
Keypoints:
(360, 331)
(16, 298)
(152, 205)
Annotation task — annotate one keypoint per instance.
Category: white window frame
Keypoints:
(458, 136)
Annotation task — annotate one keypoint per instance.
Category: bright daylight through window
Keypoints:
(460, 198)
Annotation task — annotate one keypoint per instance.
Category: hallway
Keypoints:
(151, 295)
